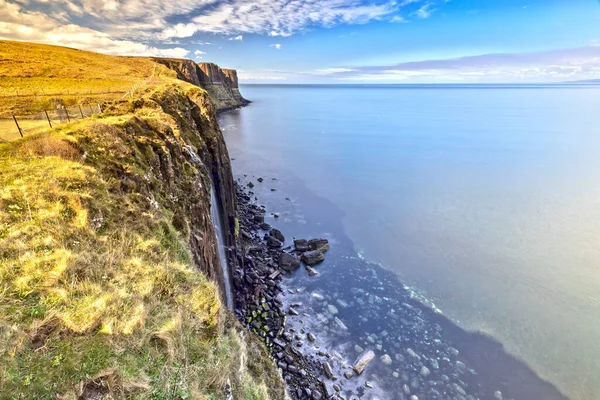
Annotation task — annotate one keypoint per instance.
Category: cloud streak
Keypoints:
(557, 65)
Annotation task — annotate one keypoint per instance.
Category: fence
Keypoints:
(18, 126)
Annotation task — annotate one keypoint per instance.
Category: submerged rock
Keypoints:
(311, 271)
(386, 359)
(328, 370)
(313, 257)
(363, 361)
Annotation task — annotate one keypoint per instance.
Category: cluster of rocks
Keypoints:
(394, 343)
(257, 290)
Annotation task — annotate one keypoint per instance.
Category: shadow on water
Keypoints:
(344, 276)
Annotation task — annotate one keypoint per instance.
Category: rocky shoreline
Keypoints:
(257, 290)
(319, 339)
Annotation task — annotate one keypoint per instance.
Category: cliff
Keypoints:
(110, 274)
(221, 84)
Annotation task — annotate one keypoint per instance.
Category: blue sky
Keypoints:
(333, 41)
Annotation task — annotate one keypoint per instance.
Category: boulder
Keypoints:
(328, 370)
(301, 245)
(288, 262)
(321, 245)
(273, 243)
(362, 362)
(311, 271)
(312, 257)
(276, 233)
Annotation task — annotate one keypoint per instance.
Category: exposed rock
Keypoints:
(321, 245)
(311, 271)
(362, 361)
(327, 369)
(288, 262)
(313, 257)
(273, 243)
(276, 233)
(301, 245)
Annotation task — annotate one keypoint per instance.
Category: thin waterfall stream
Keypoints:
(215, 214)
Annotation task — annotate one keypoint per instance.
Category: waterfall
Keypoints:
(215, 215)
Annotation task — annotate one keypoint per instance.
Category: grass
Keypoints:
(36, 76)
(99, 297)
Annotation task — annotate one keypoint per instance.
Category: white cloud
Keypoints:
(282, 34)
(330, 71)
(398, 19)
(18, 24)
(284, 17)
(425, 11)
(138, 26)
(550, 66)
(244, 77)
(277, 46)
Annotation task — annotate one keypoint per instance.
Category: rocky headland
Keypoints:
(221, 84)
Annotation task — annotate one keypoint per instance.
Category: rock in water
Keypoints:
(311, 271)
(363, 361)
(386, 359)
(276, 233)
(301, 245)
(312, 257)
(288, 262)
(319, 244)
(273, 243)
(327, 369)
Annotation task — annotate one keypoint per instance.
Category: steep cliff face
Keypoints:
(221, 84)
(103, 226)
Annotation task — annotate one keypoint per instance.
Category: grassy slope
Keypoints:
(31, 70)
(98, 294)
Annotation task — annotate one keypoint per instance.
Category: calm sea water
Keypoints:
(485, 200)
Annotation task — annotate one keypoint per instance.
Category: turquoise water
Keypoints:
(485, 200)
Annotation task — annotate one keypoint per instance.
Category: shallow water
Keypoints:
(484, 200)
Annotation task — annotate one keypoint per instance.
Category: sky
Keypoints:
(332, 41)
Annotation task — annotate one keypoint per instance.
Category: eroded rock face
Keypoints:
(221, 84)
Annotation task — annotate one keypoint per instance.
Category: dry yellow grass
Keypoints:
(34, 76)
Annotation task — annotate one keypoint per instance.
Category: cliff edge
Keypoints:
(111, 283)
(221, 84)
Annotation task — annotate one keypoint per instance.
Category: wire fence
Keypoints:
(18, 126)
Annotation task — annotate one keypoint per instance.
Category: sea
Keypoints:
(467, 215)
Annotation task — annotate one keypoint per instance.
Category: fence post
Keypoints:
(18, 127)
(67, 114)
(48, 118)
(80, 112)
